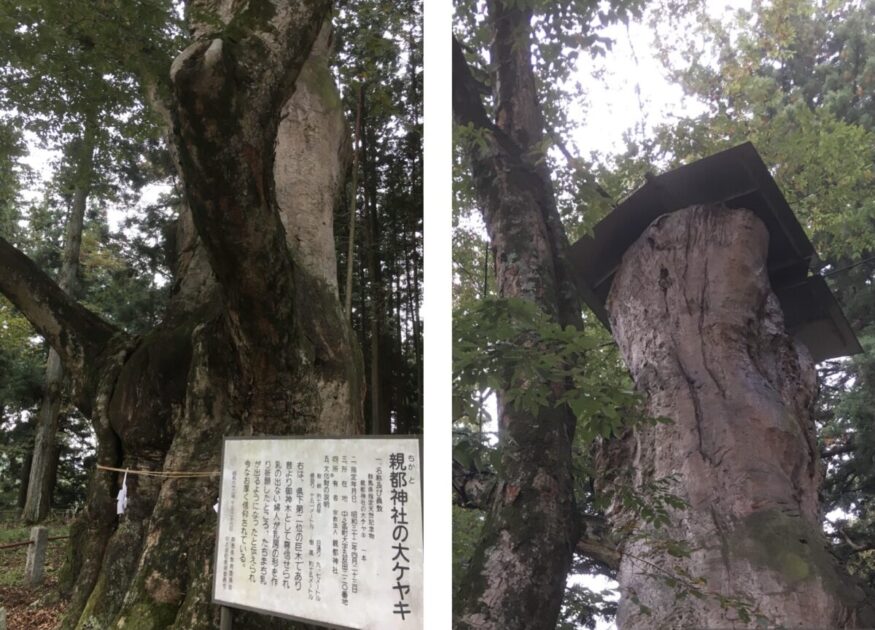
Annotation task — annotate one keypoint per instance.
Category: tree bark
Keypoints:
(516, 578)
(702, 334)
(380, 424)
(254, 340)
(39, 492)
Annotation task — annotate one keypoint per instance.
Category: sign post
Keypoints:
(322, 530)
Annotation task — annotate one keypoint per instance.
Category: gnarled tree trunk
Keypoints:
(702, 334)
(254, 340)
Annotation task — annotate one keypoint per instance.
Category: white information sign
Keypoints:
(325, 530)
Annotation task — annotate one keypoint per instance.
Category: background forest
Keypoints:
(89, 192)
(795, 77)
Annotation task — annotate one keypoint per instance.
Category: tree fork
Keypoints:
(702, 333)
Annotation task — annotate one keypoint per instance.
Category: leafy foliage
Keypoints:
(509, 345)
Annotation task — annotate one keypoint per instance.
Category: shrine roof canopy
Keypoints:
(738, 178)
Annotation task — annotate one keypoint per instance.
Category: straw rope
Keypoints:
(167, 474)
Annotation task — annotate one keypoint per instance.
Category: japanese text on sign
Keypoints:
(324, 529)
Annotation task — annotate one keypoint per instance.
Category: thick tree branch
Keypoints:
(76, 334)
(229, 88)
(467, 106)
(516, 577)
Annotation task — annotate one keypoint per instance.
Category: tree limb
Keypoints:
(77, 335)
(838, 449)
(467, 106)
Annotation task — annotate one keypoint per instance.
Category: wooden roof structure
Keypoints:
(737, 178)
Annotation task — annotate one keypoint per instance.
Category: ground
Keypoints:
(30, 608)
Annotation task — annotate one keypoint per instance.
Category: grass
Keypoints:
(31, 608)
(12, 561)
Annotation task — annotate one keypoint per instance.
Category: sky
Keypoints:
(614, 106)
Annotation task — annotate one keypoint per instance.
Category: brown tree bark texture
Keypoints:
(702, 334)
(516, 578)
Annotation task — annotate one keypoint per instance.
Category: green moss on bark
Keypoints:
(788, 545)
(148, 616)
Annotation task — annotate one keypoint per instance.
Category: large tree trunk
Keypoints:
(516, 578)
(702, 334)
(254, 340)
(45, 447)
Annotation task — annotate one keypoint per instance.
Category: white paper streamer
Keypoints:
(122, 501)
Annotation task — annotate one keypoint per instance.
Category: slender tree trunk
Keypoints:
(516, 579)
(379, 418)
(39, 489)
(702, 334)
(375, 391)
(24, 478)
(353, 202)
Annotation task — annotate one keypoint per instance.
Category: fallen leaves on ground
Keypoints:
(20, 615)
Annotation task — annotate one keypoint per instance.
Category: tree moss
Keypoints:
(318, 79)
(786, 544)
(87, 620)
(148, 616)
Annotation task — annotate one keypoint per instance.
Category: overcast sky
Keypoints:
(613, 104)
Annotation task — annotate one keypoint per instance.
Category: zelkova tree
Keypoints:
(796, 78)
(738, 531)
(535, 521)
(703, 335)
(253, 340)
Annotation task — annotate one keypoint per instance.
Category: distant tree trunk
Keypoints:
(379, 418)
(353, 203)
(703, 336)
(516, 578)
(254, 340)
(24, 478)
(40, 486)
(413, 301)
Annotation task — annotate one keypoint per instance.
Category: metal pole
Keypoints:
(225, 619)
